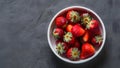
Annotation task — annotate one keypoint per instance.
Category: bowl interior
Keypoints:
(52, 40)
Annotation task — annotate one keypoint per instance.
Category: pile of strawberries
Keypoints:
(77, 34)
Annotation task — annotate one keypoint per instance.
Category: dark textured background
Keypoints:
(23, 31)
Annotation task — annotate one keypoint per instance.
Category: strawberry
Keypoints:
(61, 48)
(87, 51)
(57, 41)
(77, 44)
(68, 37)
(77, 30)
(92, 25)
(58, 33)
(97, 31)
(73, 53)
(61, 22)
(86, 37)
(97, 40)
(85, 18)
(69, 27)
(73, 16)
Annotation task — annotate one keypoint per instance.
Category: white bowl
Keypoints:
(51, 39)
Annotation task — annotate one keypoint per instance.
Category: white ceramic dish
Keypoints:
(51, 39)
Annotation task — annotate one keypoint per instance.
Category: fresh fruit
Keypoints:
(77, 44)
(97, 40)
(61, 48)
(86, 37)
(68, 37)
(87, 51)
(61, 22)
(97, 31)
(77, 30)
(69, 28)
(85, 18)
(57, 41)
(58, 33)
(73, 53)
(73, 16)
(78, 34)
(92, 25)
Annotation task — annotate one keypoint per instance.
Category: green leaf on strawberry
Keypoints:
(73, 16)
(61, 48)
(73, 53)
(99, 39)
(68, 37)
(85, 18)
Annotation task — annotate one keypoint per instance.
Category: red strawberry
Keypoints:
(85, 18)
(61, 22)
(92, 25)
(86, 37)
(87, 51)
(61, 48)
(77, 30)
(69, 27)
(97, 31)
(77, 44)
(97, 40)
(58, 41)
(58, 33)
(73, 16)
(73, 53)
(68, 37)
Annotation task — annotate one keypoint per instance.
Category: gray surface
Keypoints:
(23, 30)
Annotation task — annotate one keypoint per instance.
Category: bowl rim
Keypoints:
(79, 61)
